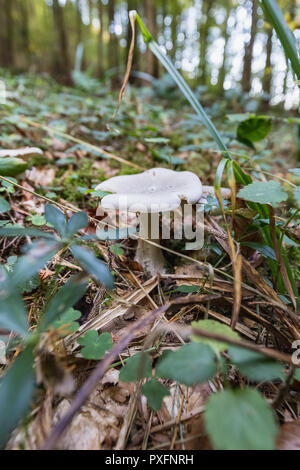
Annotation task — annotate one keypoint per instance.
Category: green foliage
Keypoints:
(216, 327)
(192, 363)
(263, 192)
(185, 289)
(4, 205)
(253, 130)
(90, 263)
(95, 346)
(154, 391)
(66, 323)
(10, 166)
(56, 218)
(265, 250)
(296, 195)
(255, 366)
(16, 391)
(240, 420)
(137, 367)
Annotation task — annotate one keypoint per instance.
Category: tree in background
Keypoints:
(6, 33)
(150, 13)
(248, 55)
(62, 60)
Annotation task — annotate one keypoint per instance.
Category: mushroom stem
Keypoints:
(148, 255)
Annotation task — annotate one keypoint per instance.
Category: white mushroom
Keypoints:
(151, 192)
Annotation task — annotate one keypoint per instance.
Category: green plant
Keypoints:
(17, 385)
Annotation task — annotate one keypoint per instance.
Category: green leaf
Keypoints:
(67, 324)
(16, 231)
(255, 366)
(297, 196)
(4, 205)
(35, 259)
(295, 171)
(16, 391)
(287, 39)
(66, 297)
(254, 129)
(188, 289)
(240, 420)
(190, 364)
(78, 221)
(265, 250)
(137, 367)
(154, 391)
(12, 309)
(56, 218)
(95, 346)
(213, 326)
(38, 220)
(93, 266)
(264, 192)
(117, 249)
(181, 83)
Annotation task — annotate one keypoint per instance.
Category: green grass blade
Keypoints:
(185, 89)
(287, 39)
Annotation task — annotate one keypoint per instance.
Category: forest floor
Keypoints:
(80, 148)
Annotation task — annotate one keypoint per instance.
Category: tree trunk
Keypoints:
(222, 71)
(267, 78)
(62, 60)
(113, 46)
(151, 62)
(204, 30)
(248, 55)
(6, 33)
(100, 66)
(24, 29)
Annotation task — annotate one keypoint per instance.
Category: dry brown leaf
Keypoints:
(41, 176)
(289, 437)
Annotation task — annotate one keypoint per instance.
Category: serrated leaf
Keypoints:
(95, 346)
(93, 266)
(77, 221)
(154, 391)
(66, 297)
(137, 367)
(67, 324)
(264, 192)
(16, 391)
(213, 326)
(240, 420)
(56, 218)
(255, 366)
(190, 364)
(4, 205)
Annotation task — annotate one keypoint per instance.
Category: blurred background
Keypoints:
(223, 47)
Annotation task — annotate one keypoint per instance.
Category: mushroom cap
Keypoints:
(155, 190)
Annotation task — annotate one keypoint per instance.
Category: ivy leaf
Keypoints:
(154, 391)
(137, 367)
(240, 420)
(192, 363)
(264, 192)
(93, 266)
(255, 366)
(77, 221)
(56, 218)
(213, 326)
(95, 346)
(16, 391)
(4, 205)
(67, 324)
(254, 129)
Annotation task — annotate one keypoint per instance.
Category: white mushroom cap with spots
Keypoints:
(155, 190)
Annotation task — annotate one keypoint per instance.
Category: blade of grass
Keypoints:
(287, 39)
(185, 89)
